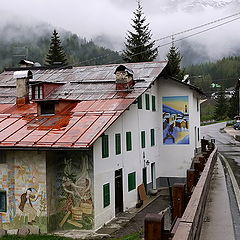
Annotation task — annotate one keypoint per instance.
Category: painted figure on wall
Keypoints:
(175, 120)
(76, 192)
(26, 205)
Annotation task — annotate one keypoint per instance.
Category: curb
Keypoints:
(233, 180)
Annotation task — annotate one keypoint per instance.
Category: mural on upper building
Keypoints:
(74, 186)
(175, 120)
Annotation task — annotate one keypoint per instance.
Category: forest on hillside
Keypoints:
(224, 72)
(35, 48)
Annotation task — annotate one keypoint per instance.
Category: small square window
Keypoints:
(47, 108)
(3, 201)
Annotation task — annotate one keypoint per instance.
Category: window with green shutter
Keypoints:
(106, 195)
(105, 146)
(139, 102)
(143, 139)
(128, 141)
(118, 143)
(147, 101)
(153, 103)
(152, 133)
(131, 181)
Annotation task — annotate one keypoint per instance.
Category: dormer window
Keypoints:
(37, 92)
(47, 108)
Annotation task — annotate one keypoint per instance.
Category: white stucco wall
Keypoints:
(170, 160)
(176, 158)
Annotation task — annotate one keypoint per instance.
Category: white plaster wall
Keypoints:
(176, 158)
(170, 160)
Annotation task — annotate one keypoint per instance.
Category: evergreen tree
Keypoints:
(56, 54)
(173, 68)
(234, 104)
(221, 106)
(139, 47)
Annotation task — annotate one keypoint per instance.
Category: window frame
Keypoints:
(147, 101)
(129, 141)
(106, 195)
(143, 139)
(118, 147)
(140, 102)
(153, 103)
(105, 146)
(152, 137)
(131, 181)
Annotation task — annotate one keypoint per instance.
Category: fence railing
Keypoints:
(189, 201)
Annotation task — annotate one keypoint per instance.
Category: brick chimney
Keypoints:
(124, 78)
(22, 86)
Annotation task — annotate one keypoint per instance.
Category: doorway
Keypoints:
(144, 174)
(153, 174)
(118, 191)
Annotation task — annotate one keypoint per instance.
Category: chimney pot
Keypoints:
(22, 86)
(124, 78)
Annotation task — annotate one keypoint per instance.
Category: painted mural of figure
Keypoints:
(27, 207)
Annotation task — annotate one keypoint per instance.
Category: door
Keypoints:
(153, 174)
(144, 174)
(118, 191)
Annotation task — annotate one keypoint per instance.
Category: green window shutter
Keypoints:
(129, 141)
(139, 102)
(143, 139)
(131, 181)
(106, 195)
(105, 146)
(153, 103)
(147, 101)
(152, 137)
(118, 143)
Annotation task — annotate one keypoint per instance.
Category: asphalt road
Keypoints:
(229, 148)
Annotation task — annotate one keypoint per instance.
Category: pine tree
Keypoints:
(234, 104)
(221, 106)
(174, 59)
(139, 47)
(56, 54)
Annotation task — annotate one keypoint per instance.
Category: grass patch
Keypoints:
(34, 237)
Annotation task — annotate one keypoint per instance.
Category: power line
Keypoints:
(176, 34)
(183, 38)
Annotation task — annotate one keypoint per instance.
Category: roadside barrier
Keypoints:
(189, 201)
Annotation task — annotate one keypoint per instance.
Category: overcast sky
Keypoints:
(90, 18)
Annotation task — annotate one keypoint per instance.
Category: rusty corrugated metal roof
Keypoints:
(99, 105)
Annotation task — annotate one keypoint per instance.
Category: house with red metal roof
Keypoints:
(76, 142)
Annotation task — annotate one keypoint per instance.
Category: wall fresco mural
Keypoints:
(175, 120)
(23, 177)
(74, 184)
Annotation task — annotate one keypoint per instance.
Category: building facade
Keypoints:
(77, 142)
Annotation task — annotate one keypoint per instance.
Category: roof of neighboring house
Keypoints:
(97, 104)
